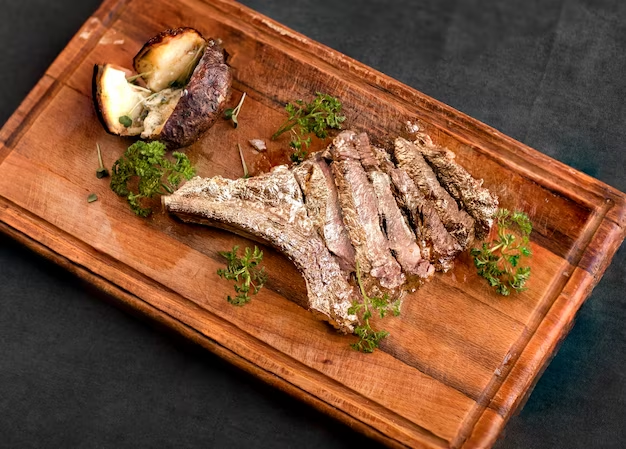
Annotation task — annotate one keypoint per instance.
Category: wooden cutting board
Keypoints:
(459, 361)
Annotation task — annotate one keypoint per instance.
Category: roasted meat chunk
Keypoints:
(270, 207)
(402, 241)
(468, 191)
(322, 203)
(458, 223)
(347, 209)
(359, 206)
(435, 242)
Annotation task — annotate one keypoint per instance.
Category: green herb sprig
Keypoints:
(245, 271)
(317, 117)
(101, 172)
(246, 174)
(154, 174)
(498, 261)
(369, 339)
(233, 114)
(127, 120)
(133, 78)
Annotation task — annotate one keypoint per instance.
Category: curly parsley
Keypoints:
(499, 261)
(154, 174)
(317, 117)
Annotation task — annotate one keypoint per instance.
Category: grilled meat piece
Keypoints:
(435, 242)
(456, 221)
(270, 207)
(402, 241)
(468, 191)
(360, 208)
(322, 204)
(366, 152)
(360, 213)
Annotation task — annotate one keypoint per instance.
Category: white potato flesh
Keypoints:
(120, 98)
(159, 106)
(170, 61)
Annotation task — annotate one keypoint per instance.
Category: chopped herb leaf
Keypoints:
(125, 120)
(92, 197)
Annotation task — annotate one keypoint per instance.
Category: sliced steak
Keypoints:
(456, 221)
(468, 191)
(402, 241)
(322, 204)
(359, 206)
(436, 244)
(270, 207)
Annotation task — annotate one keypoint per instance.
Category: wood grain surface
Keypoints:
(459, 360)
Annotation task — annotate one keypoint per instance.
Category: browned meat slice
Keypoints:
(360, 213)
(402, 241)
(322, 203)
(468, 191)
(435, 242)
(366, 152)
(455, 220)
(270, 207)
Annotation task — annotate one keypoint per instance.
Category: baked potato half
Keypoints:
(118, 102)
(168, 59)
(187, 85)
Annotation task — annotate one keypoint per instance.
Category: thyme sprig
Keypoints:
(317, 117)
(498, 261)
(369, 339)
(245, 271)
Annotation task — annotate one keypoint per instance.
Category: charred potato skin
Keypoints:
(204, 99)
(95, 94)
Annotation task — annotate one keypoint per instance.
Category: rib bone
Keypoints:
(270, 207)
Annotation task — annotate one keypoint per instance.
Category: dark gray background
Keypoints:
(77, 372)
